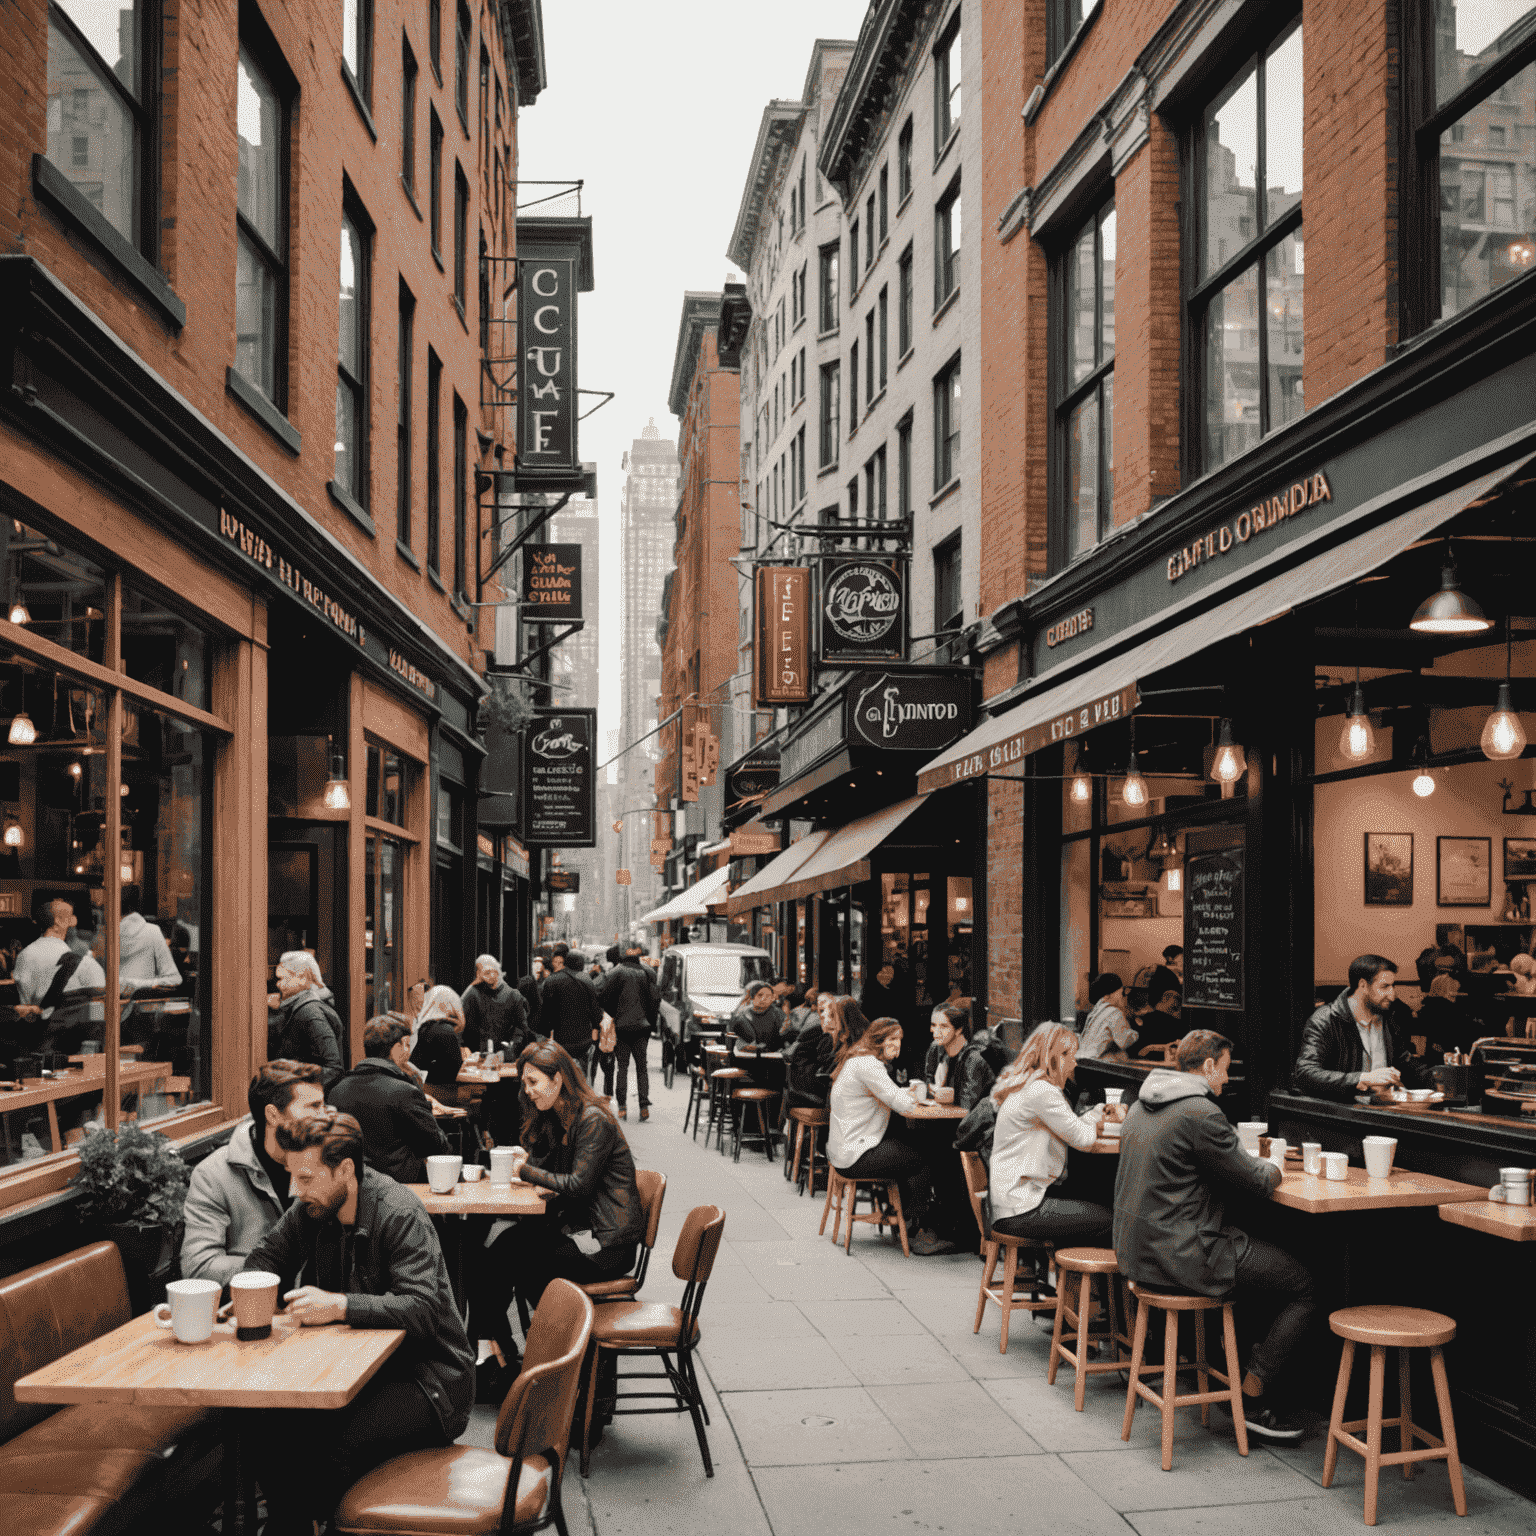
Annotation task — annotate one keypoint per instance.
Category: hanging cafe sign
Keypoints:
(551, 591)
(782, 656)
(861, 617)
(916, 709)
(546, 368)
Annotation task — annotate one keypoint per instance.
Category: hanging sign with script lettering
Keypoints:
(551, 584)
(861, 614)
(546, 369)
(910, 709)
(559, 781)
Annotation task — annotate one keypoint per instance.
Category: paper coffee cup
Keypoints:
(1277, 1148)
(1335, 1165)
(253, 1299)
(1379, 1151)
(443, 1173)
(472, 1172)
(501, 1164)
(1311, 1157)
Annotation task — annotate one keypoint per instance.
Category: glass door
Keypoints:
(384, 870)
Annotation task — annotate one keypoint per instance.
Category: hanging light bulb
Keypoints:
(1423, 780)
(19, 614)
(23, 733)
(13, 836)
(1449, 611)
(338, 795)
(1134, 790)
(1082, 783)
(1230, 763)
(1503, 735)
(1358, 740)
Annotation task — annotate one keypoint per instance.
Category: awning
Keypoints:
(843, 859)
(1107, 692)
(760, 889)
(694, 902)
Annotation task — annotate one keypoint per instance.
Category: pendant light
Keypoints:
(1230, 762)
(13, 836)
(1358, 740)
(338, 794)
(23, 733)
(1082, 783)
(1503, 735)
(1449, 611)
(1134, 790)
(19, 614)
(1423, 780)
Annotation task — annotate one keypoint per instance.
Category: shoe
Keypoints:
(926, 1244)
(1264, 1422)
(645, 1113)
(623, 1113)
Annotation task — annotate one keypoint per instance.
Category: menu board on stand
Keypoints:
(1213, 927)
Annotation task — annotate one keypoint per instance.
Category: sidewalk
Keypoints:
(849, 1394)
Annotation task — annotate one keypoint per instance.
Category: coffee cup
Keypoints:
(945, 1095)
(188, 1310)
(1113, 1095)
(1311, 1157)
(1277, 1146)
(253, 1300)
(501, 1164)
(919, 1089)
(1515, 1188)
(1335, 1165)
(1249, 1132)
(443, 1173)
(472, 1172)
(1379, 1151)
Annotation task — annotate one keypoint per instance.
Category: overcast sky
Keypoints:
(656, 108)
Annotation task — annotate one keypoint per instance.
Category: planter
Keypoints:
(149, 1254)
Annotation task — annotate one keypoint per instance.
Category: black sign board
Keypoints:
(551, 591)
(754, 774)
(1213, 929)
(546, 368)
(908, 709)
(861, 611)
(559, 793)
(564, 882)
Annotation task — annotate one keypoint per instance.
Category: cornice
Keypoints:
(777, 135)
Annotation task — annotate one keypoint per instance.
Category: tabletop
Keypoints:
(1313, 1193)
(928, 1110)
(1516, 1222)
(482, 1198)
(143, 1364)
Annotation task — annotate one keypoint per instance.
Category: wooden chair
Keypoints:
(628, 1328)
(1402, 1329)
(1004, 1294)
(722, 1083)
(653, 1190)
(840, 1188)
(1074, 1325)
(803, 1120)
(756, 1100)
(1170, 1397)
(507, 1491)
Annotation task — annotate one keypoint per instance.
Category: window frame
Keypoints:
(435, 184)
(946, 253)
(409, 72)
(361, 77)
(904, 468)
(853, 261)
(946, 426)
(360, 384)
(948, 77)
(871, 393)
(460, 240)
(460, 503)
(905, 303)
(435, 38)
(463, 32)
(904, 162)
(948, 555)
(405, 354)
(853, 387)
(1061, 25)
(828, 266)
(829, 412)
(434, 466)
(882, 308)
(884, 199)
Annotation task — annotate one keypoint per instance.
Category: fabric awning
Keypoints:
(1108, 691)
(843, 859)
(693, 902)
(761, 888)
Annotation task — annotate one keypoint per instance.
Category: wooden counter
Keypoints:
(1515, 1222)
(1358, 1191)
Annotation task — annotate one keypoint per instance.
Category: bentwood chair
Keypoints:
(633, 1328)
(1009, 1295)
(653, 1190)
(465, 1490)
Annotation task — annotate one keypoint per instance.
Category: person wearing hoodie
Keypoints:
(493, 1010)
(1178, 1156)
(144, 956)
(303, 1025)
(400, 1129)
(1107, 1032)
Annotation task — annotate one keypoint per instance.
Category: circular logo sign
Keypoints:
(862, 603)
(556, 741)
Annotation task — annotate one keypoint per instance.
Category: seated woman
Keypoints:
(1035, 1127)
(438, 1052)
(813, 1058)
(953, 1061)
(853, 1018)
(1441, 1020)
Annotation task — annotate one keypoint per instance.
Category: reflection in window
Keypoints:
(55, 592)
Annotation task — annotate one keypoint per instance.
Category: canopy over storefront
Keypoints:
(763, 887)
(693, 902)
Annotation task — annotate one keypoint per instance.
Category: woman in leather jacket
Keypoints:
(954, 1059)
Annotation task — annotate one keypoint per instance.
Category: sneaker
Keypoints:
(1264, 1422)
(645, 1113)
(926, 1244)
(623, 1113)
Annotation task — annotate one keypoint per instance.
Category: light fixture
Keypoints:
(19, 614)
(1423, 780)
(75, 770)
(1173, 879)
(1230, 762)
(1358, 740)
(1133, 791)
(1449, 611)
(1503, 736)
(13, 836)
(23, 733)
(125, 871)
(1082, 783)
(338, 795)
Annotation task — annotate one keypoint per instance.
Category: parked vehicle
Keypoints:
(701, 986)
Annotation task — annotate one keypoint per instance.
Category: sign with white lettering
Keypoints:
(861, 614)
(782, 671)
(1069, 628)
(546, 369)
(559, 783)
(1213, 929)
(916, 709)
(1310, 491)
(551, 584)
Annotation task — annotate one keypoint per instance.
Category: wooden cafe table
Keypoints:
(1515, 1222)
(142, 1364)
(481, 1198)
(1318, 1196)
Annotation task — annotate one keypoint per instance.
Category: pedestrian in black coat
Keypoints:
(400, 1131)
(570, 1012)
(493, 1010)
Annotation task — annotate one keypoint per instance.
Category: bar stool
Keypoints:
(1170, 1397)
(803, 1120)
(1402, 1329)
(839, 1188)
(722, 1083)
(1004, 1294)
(758, 1100)
(1074, 1325)
(711, 1057)
(698, 1093)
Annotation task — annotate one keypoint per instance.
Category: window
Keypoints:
(946, 425)
(352, 362)
(904, 163)
(460, 473)
(948, 605)
(434, 462)
(874, 485)
(403, 417)
(800, 463)
(1245, 313)
(461, 65)
(853, 388)
(1085, 339)
(853, 259)
(781, 330)
(1470, 229)
(1062, 19)
(408, 117)
(357, 44)
(904, 467)
(946, 244)
(904, 303)
(831, 384)
(460, 233)
(946, 86)
(802, 191)
(435, 183)
(485, 108)
(853, 500)
(869, 225)
(869, 359)
(885, 200)
(827, 298)
(435, 37)
(261, 222)
(103, 135)
(802, 374)
(884, 310)
(797, 295)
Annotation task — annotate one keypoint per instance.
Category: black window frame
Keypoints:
(828, 266)
(409, 71)
(463, 30)
(800, 486)
(460, 504)
(885, 201)
(361, 78)
(435, 183)
(946, 429)
(904, 162)
(360, 383)
(853, 387)
(871, 249)
(904, 468)
(945, 53)
(460, 238)
(829, 412)
(1062, 19)
(946, 254)
(405, 354)
(435, 38)
(853, 261)
(871, 393)
(948, 555)
(883, 309)
(905, 300)
(434, 447)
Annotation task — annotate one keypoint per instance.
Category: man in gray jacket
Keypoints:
(238, 1193)
(1176, 1149)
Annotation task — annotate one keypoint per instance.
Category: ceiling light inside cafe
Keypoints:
(1449, 611)
(1503, 735)
(22, 733)
(1230, 762)
(1358, 740)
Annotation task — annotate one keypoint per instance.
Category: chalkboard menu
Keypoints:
(1213, 929)
(559, 784)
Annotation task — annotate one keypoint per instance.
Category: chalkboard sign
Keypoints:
(1213, 929)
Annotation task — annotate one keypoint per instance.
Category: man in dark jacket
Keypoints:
(532, 989)
(493, 1010)
(371, 1259)
(954, 1061)
(629, 992)
(1176, 1149)
(400, 1129)
(304, 1026)
(569, 1012)
(1357, 1042)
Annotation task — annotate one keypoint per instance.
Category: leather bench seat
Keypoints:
(55, 1514)
(457, 1492)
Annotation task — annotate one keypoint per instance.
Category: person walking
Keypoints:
(570, 1012)
(630, 994)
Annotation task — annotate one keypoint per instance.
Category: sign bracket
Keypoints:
(523, 663)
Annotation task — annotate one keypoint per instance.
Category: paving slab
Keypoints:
(1047, 1416)
(952, 1421)
(898, 1359)
(739, 1364)
(1206, 1470)
(805, 1428)
(848, 1319)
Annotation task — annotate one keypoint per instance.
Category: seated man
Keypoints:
(1358, 1041)
(1169, 976)
(759, 1025)
(1176, 1151)
(1107, 1032)
(399, 1121)
(238, 1193)
(1162, 1026)
(494, 1011)
(367, 1248)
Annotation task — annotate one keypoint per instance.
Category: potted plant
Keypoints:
(132, 1184)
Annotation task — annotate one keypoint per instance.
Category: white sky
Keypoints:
(657, 109)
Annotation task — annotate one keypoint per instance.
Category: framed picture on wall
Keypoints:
(1463, 871)
(1389, 869)
(1520, 858)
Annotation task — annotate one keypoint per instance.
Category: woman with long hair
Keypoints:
(953, 1060)
(851, 1018)
(1035, 1127)
(439, 1051)
(814, 1057)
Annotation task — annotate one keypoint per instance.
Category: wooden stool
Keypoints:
(838, 1187)
(721, 1082)
(698, 1095)
(1003, 1294)
(1402, 1329)
(804, 1120)
(1170, 1397)
(1074, 1325)
(757, 1099)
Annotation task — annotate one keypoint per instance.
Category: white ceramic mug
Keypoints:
(1379, 1151)
(1248, 1133)
(443, 1172)
(1335, 1165)
(1311, 1157)
(188, 1310)
(1113, 1095)
(1516, 1188)
(944, 1095)
(1277, 1146)
(919, 1089)
(501, 1164)
(472, 1172)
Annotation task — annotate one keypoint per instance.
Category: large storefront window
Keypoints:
(392, 784)
(926, 922)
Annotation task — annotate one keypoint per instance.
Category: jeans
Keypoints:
(895, 1161)
(1266, 1275)
(633, 1044)
(1062, 1221)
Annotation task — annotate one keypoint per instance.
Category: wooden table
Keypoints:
(1515, 1222)
(1318, 1196)
(480, 1198)
(35, 1091)
(928, 1110)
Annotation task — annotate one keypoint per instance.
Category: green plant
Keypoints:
(131, 1176)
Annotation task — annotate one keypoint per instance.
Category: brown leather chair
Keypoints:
(466, 1490)
(655, 1328)
(653, 1190)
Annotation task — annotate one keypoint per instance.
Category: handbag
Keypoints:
(607, 1036)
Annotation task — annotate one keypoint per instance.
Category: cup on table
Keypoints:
(1277, 1146)
(443, 1172)
(501, 1164)
(944, 1095)
(188, 1310)
(472, 1172)
(1515, 1188)
(1379, 1151)
(1335, 1165)
(1311, 1157)
(253, 1300)
(1113, 1095)
(1249, 1132)
(919, 1089)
